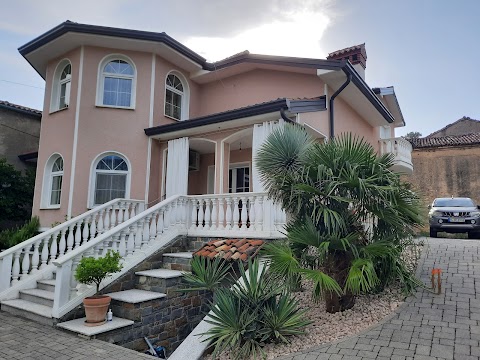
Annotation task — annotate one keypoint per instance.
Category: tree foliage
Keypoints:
(332, 191)
(413, 135)
(92, 270)
(16, 192)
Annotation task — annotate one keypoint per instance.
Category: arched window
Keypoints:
(176, 97)
(111, 178)
(116, 83)
(61, 86)
(52, 183)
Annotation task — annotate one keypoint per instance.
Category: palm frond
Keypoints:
(361, 276)
(322, 283)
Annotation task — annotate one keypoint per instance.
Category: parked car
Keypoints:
(454, 215)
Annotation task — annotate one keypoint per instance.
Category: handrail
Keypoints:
(63, 225)
(107, 234)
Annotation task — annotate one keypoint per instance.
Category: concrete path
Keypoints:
(24, 339)
(428, 326)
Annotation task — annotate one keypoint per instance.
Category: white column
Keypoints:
(177, 167)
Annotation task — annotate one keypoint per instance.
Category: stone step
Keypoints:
(29, 310)
(48, 285)
(178, 261)
(135, 296)
(38, 296)
(159, 280)
(78, 326)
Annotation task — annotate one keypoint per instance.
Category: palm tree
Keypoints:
(332, 190)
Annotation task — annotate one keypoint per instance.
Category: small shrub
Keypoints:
(207, 274)
(12, 237)
(93, 271)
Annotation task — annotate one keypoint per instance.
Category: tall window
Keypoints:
(52, 182)
(239, 179)
(111, 175)
(62, 78)
(117, 84)
(174, 97)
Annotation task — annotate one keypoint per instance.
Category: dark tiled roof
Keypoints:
(452, 140)
(20, 108)
(465, 118)
(231, 249)
(346, 50)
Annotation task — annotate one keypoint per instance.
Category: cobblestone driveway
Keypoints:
(429, 326)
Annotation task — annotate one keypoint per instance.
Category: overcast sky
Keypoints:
(427, 49)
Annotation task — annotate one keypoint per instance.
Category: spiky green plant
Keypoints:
(331, 190)
(207, 274)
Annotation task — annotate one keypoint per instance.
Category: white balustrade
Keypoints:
(402, 151)
(36, 254)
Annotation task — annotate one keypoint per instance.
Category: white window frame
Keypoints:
(232, 166)
(48, 175)
(185, 106)
(101, 81)
(57, 84)
(93, 177)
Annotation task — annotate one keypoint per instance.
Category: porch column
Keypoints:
(177, 167)
(260, 134)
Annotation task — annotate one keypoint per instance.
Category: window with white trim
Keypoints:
(117, 83)
(111, 179)
(61, 86)
(174, 97)
(52, 182)
(239, 179)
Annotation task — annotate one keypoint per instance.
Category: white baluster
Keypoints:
(44, 252)
(183, 213)
(153, 226)
(134, 210)
(139, 234)
(97, 250)
(93, 227)
(259, 213)
(243, 213)
(85, 230)
(146, 231)
(207, 214)
(194, 214)
(122, 246)
(236, 214)
(115, 244)
(73, 281)
(113, 216)
(131, 239)
(160, 223)
(54, 247)
(214, 214)
(221, 213)
(35, 256)
(63, 243)
(251, 214)
(16, 267)
(121, 206)
(228, 215)
(100, 226)
(70, 238)
(126, 214)
(166, 220)
(106, 220)
(78, 233)
(178, 212)
(25, 262)
(200, 214)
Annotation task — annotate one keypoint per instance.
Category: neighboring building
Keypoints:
(462, 126)
(447, 165)
(138, 115)
(19, 134)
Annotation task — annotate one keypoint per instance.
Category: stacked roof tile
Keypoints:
(452, 140)
(231, 249)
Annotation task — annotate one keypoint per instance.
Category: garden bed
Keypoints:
(368, 311)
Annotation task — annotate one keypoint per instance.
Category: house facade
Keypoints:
(137, 115)
(19, 134)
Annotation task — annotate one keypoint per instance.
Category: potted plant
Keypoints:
(90, 271)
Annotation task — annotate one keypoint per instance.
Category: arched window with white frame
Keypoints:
(117, 82)
(176, 97)
(62, 81)
(52, 182)
(110, 178)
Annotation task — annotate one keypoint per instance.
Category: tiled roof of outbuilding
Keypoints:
(465, 118)
(231, 249)
(452, 140)
(15, 107)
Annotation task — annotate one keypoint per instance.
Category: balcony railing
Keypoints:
(402, 150)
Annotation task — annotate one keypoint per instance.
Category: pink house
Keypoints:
(143, 140)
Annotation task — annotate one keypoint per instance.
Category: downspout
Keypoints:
(283, 115)
(330, 108)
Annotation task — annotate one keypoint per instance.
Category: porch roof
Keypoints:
(291, 106)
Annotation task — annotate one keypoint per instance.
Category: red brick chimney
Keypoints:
(357, 55)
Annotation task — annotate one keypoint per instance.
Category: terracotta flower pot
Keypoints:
(96, 308)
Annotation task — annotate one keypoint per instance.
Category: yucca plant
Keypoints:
(331, 190)
(208, 274)
(254, 311)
